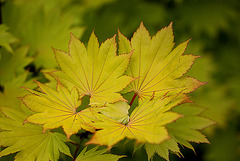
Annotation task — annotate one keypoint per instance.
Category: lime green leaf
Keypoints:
(6, 38)
(217, 103)
(159, 69)
(12, 89)
(28, 139)
(58, 108)
(214, 97)
(96, 155)
(182, 131)
(95, 71)
(146, 123)
(186, 129)
(137, 147)
(162, 149)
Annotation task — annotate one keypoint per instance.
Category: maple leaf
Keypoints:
(95, 71)
(182, 131)
(186, 129)
(28, 139)
(215, 99)
(159, 69)
(162, 149)
(58, 108)
(96, 155)
(146, 123)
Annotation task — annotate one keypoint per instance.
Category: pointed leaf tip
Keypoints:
(93, 35)
(73, 39)
(94, 70)
(61, 105)
(157, 64)
(142, 27)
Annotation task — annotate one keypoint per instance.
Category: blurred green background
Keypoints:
(29, 28)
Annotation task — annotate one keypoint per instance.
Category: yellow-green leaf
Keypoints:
(28, 139)
(95, 71)
(12, 89)
(182, 131)
(162, 149)
(158, 67)
(117, 111)
(186, 129)
(146, 123)
(58, 108)
(96, 155)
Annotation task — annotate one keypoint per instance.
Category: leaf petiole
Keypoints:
(135, 95)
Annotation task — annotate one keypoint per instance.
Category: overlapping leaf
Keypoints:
(159, 69)
(95, 71)
(28, 139)
(162, 149)
(182, 131)
(96, 155)
(215, 99)
(58, 108)
(186, 129)
(146, 123)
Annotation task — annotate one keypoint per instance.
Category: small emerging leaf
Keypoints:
(146, 123)
(117, 111)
